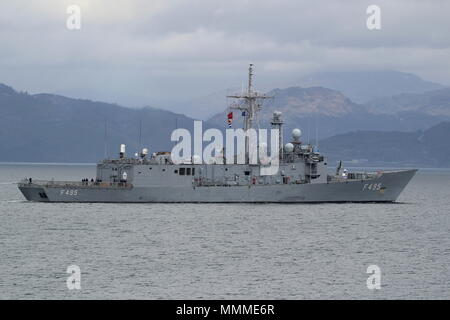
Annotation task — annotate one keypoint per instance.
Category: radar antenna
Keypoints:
(249, 103)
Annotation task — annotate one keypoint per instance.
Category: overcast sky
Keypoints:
(138, 52)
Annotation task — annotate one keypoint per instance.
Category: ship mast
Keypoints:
(249, 103)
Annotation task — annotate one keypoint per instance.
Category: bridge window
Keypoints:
(185, 171)
(176, 172)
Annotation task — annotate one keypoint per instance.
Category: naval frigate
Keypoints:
(302, 175)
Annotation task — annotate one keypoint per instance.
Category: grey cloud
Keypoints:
(140, 52)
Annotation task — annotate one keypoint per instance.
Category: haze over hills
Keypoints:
(53, 128)
(204, 107)
(362, 86)
(49, 128)
(297, 101)
(322, 112)
(429, 148)
(435, 103)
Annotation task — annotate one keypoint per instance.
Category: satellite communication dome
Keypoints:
(296, 134)
(145, 151)
(289, 147)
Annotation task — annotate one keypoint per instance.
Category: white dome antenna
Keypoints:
(289, 147)
(296, 134)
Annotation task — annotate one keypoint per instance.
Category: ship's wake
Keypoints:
(13, 201)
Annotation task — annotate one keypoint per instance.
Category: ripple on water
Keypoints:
(222, 251)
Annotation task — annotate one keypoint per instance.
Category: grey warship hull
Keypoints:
(384, 187)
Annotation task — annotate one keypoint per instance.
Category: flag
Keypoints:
(230, 119)
(243, 113)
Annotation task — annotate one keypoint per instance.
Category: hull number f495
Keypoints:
(372, 186)
(68, 192)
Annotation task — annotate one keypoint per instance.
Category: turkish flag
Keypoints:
(230, 116)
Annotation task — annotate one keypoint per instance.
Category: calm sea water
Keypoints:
(223, 251)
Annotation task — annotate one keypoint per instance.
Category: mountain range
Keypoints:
(434, 103)
(322, 112)
(51, 128)
(429, 148)
(359, 86)
(54, 128)
(364, 86)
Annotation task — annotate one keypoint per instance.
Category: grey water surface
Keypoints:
(223, 251)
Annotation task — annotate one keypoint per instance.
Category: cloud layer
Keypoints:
(157, 51)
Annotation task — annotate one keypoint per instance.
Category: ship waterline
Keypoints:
(385, 187)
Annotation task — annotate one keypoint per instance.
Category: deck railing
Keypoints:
(79, 184)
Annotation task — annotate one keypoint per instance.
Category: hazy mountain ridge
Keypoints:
(313, 100)
(435, 103)
(323, 112)
(363, 86)
(298, 101)
(429, 148)
(360, 87)
(54, 128)
(50, 128)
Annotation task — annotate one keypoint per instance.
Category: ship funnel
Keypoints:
(122, 151)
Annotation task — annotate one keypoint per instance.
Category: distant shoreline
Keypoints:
(48, 163)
